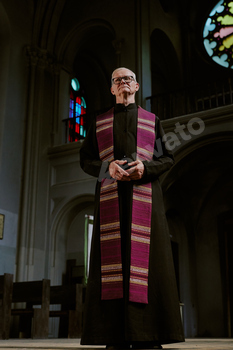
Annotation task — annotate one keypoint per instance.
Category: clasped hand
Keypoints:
(135, 172)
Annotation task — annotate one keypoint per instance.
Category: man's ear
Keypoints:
(112, 91)
(137, 86)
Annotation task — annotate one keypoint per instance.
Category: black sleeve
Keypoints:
(90, 161)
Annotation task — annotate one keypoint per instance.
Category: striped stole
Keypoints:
(110, 236)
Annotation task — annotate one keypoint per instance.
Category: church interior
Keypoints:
(56, 60)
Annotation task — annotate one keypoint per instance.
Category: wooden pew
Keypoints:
(70, 297)
(34, 322)
(6, 286)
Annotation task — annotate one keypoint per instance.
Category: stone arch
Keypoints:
(168, 6)
(45, 26)
(60, 230)
(76, 38)
(184, 152)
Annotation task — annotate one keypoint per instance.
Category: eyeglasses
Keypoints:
(127, 79)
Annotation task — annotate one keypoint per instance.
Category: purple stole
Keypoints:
(110, 236)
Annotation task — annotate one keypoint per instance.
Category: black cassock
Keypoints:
(120, 321)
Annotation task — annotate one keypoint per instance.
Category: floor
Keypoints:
(63, 344)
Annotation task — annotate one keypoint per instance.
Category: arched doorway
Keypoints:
(67, 244)
(199, 190)
(68, 235)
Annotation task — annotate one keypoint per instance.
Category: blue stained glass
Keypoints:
(218, 8)
(71, 108)
(221, 60)
(209, 46)
(208, 27)
(81, 130)
(78, 120)
(78, 110)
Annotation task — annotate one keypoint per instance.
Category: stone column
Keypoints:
(33, 215)
(143, 51)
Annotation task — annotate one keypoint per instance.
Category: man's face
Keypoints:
(124, 88)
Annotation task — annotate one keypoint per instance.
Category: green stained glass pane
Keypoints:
(75, 84)
(83, 103)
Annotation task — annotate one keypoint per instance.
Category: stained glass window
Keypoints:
(218, 34)
(77, 112)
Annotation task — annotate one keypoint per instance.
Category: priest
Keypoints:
(131, 299)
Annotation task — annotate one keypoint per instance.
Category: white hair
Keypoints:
(133, 74)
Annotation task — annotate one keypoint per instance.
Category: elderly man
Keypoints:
(131, 299)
